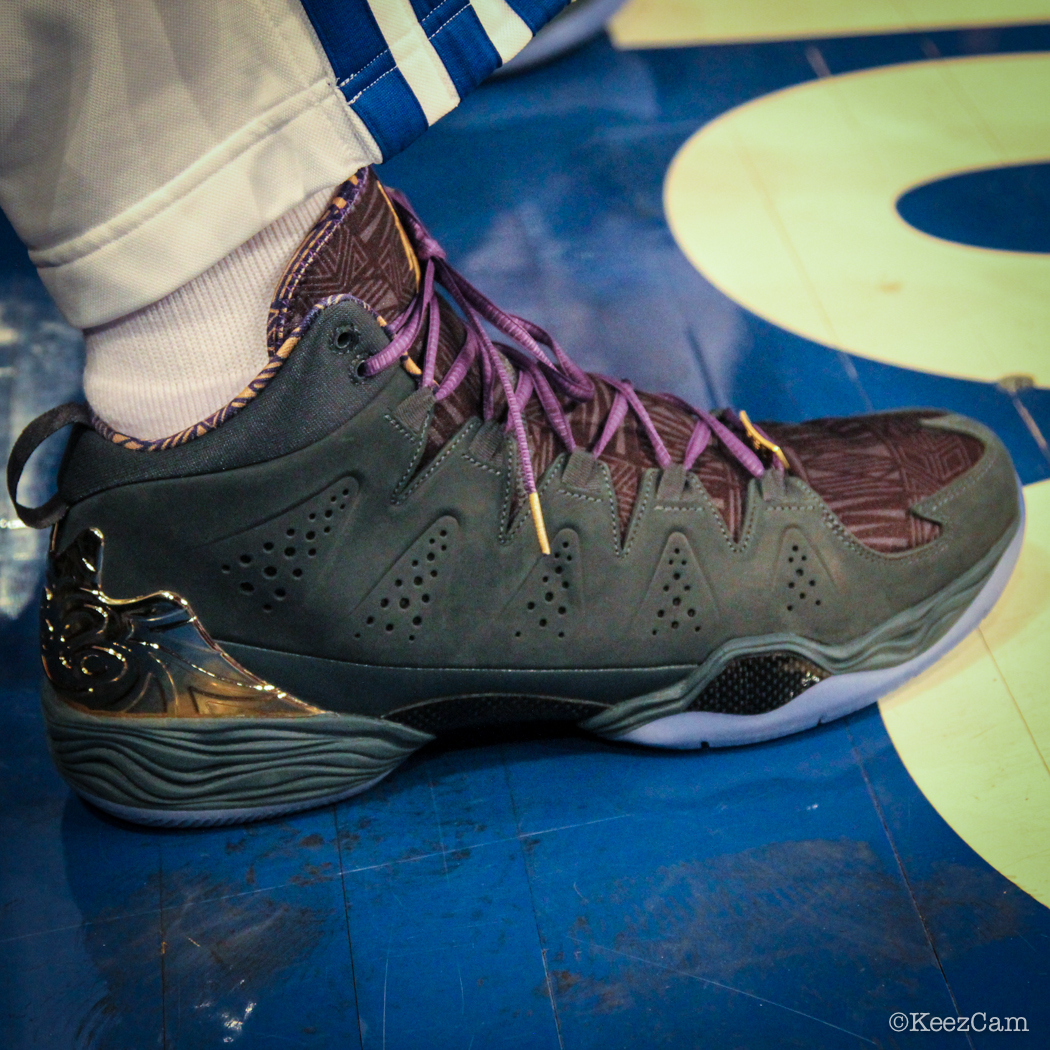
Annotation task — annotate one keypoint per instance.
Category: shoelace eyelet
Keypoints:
(345, 339)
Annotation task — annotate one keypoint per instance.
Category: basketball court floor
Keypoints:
(805, 209)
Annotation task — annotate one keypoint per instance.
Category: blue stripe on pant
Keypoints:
(368, 76)
(390, 112)
(463, 46)
(537, 13)
(459, 39)
(352, 40)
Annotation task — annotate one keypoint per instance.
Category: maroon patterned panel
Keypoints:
(357, 247)
(630, 453)
(871, 469)
(721, 474)
(627, 455)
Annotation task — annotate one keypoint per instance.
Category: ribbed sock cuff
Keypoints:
(166, 366)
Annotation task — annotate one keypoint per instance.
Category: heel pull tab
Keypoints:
(34, 435)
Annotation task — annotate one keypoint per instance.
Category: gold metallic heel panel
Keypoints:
(139, 657)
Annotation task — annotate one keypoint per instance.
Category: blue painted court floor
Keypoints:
(530, 890)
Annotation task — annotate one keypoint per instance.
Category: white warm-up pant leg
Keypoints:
(159, 158)
(143, 140)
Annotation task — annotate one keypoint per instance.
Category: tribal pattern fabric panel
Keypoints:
(355, 248)
(403, 65)
(893, 462)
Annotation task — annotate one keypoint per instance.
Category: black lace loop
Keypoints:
(34, 435)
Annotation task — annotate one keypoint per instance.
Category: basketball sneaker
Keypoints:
(422, 517)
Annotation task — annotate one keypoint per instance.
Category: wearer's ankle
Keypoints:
(163, 368)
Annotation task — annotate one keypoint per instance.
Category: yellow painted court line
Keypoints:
(974, 730)
(788, 205)
(681, 23)
(1017, 633)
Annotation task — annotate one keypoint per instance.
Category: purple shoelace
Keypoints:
(531, 357)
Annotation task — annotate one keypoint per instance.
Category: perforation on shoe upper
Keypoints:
(401, 608)
(548, 607)
(679, 604)
(271, 565)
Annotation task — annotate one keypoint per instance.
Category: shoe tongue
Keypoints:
(358, 247)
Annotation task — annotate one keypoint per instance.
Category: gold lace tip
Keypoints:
(760, 441)
(537, 520)
(410, 366)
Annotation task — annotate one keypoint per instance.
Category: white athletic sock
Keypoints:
(167, 366)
